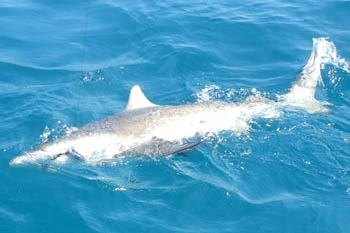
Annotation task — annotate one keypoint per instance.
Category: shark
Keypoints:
(146, 128)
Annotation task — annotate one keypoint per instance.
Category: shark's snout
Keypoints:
(20, 160)
(30, 157)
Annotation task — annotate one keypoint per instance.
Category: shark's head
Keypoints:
(44, 154)
(31, 157)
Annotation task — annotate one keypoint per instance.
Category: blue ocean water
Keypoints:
(66, 63)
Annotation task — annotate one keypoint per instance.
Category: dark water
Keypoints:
(67, 63)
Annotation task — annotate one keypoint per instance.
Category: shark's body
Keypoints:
(145, 128)
(148, 129)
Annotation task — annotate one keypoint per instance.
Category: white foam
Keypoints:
(208, 93)
(45, 135)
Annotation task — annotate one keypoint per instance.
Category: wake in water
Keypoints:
(302, 93)
(145, 128)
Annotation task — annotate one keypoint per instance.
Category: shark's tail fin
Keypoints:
(302, 93)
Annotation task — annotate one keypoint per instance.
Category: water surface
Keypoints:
(64, 64)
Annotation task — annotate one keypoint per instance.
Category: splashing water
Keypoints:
(302, 93)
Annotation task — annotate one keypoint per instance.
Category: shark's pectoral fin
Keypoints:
(162, 147)
(74, 154)
(177, 148)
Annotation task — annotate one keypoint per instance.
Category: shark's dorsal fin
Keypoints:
(137, 99)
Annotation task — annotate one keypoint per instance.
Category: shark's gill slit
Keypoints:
(69, 153)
